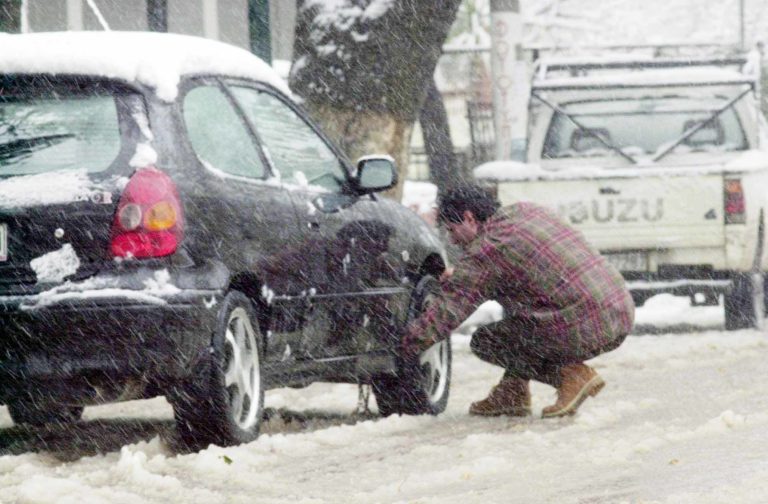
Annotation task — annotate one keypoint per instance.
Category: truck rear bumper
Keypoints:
(701, 292)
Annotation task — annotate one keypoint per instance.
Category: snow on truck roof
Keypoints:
(633, 72)
(157, 60)
(656, 78)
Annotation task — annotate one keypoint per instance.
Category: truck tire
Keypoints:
(223, 401)
(765, 292)
(744, 304)
(421, 385)
(27, 412)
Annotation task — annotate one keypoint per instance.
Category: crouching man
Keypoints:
(563, 303)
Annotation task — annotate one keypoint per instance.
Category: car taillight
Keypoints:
(149, 220)
(734, 202)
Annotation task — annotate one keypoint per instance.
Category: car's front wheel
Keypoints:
(421, 385)
(222, 403)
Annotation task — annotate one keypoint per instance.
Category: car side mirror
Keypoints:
(375, 173)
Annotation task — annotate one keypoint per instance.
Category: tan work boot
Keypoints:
(512, 396)
(579, 381)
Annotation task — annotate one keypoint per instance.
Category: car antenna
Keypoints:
(97, 13)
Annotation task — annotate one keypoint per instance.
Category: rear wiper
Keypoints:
(585, 129)
(691, 131)
(16, 148)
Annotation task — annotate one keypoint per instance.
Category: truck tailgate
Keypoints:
(643, 213)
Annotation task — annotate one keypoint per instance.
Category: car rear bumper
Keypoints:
(108, 333)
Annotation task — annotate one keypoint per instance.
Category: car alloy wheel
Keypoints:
(221, 401)
(242, 374)
(435, 369)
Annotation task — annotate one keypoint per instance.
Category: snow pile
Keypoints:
(516, 171)
(666, 310)
(144, 156)
(343, 14)
(91, 289)
(160, 284)
(419, 196)
(54, 266)
(51, 188)
(648, 78)
(157, 60)
(155, 289)
(682, 420)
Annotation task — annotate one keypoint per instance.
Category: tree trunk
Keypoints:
(443, 165)
(363, 67)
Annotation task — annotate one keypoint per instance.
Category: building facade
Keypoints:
(262, 26)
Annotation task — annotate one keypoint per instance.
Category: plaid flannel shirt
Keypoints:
(541, 270)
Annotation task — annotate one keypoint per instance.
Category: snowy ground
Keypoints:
(682, 420)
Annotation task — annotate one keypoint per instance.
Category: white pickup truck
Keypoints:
(660, 163)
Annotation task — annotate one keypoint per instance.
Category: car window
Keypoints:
(643, 127)
(45, 133)
(218, 135)
(297, 152)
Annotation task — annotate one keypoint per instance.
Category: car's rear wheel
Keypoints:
(29, 413)
(223, 402)
(744, 304)
(421, 386)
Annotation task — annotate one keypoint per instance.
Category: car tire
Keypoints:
(744, 304)
(27, 413)
(421, 385)
(223, 401)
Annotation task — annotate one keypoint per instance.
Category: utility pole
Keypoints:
(510, 79)
(742, 41)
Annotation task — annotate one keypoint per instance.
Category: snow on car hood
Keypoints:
(157, 60)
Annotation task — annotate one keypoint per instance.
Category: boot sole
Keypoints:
(497, 413)
(591, 389)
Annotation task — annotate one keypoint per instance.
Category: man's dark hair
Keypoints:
(465, 197)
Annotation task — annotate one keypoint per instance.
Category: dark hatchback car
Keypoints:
(171, 223)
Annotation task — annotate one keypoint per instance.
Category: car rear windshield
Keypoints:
(48, 125)
(642, 127)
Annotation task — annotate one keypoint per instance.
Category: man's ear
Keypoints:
(469, 217)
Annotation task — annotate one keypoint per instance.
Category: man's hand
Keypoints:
(411, 346)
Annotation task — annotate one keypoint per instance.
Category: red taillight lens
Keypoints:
(149, 220)
(735, 207)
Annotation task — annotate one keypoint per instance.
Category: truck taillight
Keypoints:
(149, 220)
(734, 202)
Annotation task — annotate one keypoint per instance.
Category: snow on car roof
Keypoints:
(157, 60)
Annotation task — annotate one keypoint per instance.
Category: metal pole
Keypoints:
(510, 79)
(24, 17)
(742, 41)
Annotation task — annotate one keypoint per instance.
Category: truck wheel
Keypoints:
(744, 305)
(26, 412)
(421, 386)
(765, 292)
(223, 401)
